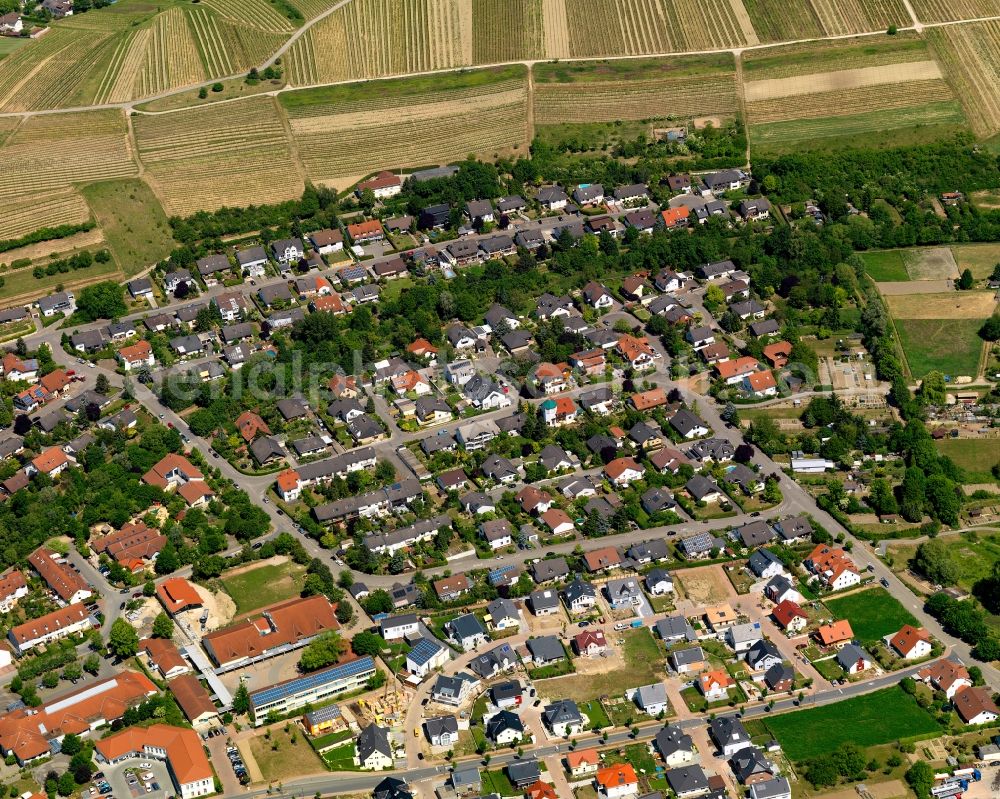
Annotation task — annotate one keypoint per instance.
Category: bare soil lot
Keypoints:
(952, 305)
(841, 79)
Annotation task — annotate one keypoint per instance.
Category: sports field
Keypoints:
(873, 613)
(866, 720)
(264, 585)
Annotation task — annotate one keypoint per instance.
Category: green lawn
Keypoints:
(901, 127)
(975, 455)
(873, 613)
(134, 223)
(8, 44)
(341, 758)
(22, 281)
(950, 346)
(596, 715)
(867, 720)
(264, 585)
(497, 782)
(885, 266)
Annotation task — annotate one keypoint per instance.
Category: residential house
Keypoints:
(563, 717)
(617, 781)
(762, 656)
(675, 746)
(466, 632)
(590, 643)
(687, 661)
(714, 685)
(853, 659)
(911, 643)
(789, 616)
(544, 602)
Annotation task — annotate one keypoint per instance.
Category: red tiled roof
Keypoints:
(284, 623)
(617, 775)
(63, 580)
(27, 732)
(133, 540)
(191, 696)
(835, 633)
(176, 594)
(164, 653)
(188, 761)
(785, 611)
(50, 459)
(168, 463)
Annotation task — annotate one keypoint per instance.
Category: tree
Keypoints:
(366, 643)
(324, 650)
(123, 642)
(148, 588)
(920, 777)
(163, 626)
(911, 494)
(66, 784)
(966, 281)
(932, 389)
(377, 601)
(990, 329)
(102, 385)
(933, 559)
(71, 744)
(241, 699)
(104, 300)
(167, 561)
(881, 498)
(92, 664)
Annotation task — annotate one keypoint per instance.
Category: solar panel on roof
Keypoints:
(276, 692)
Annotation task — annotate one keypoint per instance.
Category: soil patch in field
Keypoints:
(840, 80)
(705, 585)
(916, 287)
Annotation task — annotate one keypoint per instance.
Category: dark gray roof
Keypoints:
(551, 569)
(546, 648)
(687, 779)
(373, 739)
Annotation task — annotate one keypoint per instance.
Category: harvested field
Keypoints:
(841, 80)
(556, 29)
(980, 259)
(947, 11)
(232, 154)
(35, 155)
(949, 346)
(507, 31)
(951, 305)
(412, 122)
(26, 213)
(608, 91)
(970, 55)
(930, 263)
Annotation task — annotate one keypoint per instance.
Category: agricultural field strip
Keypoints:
(555, 27)
(407, 113)
(850, 101)
(597, 102)
(857, 124)
(208, 37)
(785, 60)
(840, 80)
(20, 67)
(970, 58)
(55, 84)
(30, 212)
(954, 10)
(258, 13)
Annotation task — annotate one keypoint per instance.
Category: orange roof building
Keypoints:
(833, 566)
(715, 683)
(540, 790)
(645, 400)
(603, 558)
(761, 383)
(622, 471)
(61, 579)
(331, 303)
(165, 655)
(195, 492)
(137, 353)
(55, 382)
(777, 353)
(614, 779)
(675, 217)
(13, 586)
(51, 461)
(251, 425)
(133, 541)
(180, 747)
(636, 350)
(422, 348)
(260, 636)
(583, 761)
(52, 626)
(170, 471)
(911, 642)
(737, 368)
(26, 732)
(835, 634)
(365, 231)
(193, 698)
(946, 675)
(177, 594)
